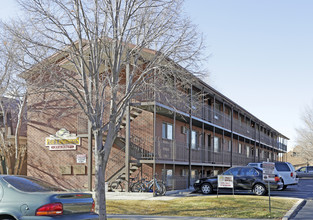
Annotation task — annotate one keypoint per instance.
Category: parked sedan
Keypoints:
(23, 197)
(305, 172)
(245, 178)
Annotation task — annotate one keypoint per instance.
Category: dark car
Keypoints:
(245, 178)
(305, 172)
(23, 197)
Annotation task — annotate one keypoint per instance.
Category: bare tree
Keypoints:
(101, 52)
(305, 134)
(13, 99)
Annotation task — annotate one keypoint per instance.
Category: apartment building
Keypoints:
(203, 136)
(177, 140)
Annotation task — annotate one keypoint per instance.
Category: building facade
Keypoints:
(177, 142)
(297, 158)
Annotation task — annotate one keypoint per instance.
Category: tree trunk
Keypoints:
(100, 176)
(101, 159)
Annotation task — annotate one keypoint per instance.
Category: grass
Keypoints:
(205, 206)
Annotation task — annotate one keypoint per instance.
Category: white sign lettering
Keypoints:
(62, 147)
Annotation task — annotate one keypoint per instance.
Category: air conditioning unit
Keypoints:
(183, 130)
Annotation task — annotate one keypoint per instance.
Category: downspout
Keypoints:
(190, 136)
(127, 135)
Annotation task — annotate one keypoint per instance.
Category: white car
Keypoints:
(285, 170)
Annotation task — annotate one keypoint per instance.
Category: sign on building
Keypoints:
(268, 171)
(62, 147)
(62, 140)
(81, 158)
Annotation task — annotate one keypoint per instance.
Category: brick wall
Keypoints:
(48, 113)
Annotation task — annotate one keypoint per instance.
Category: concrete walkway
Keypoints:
(304, 211)
(174, 195)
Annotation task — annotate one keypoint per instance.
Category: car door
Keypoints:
(246, 178)
(310, 171)
(304, 172)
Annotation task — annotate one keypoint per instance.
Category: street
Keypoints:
(303, 190)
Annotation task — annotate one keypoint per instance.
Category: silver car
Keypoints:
(305, 172)
(23, 197)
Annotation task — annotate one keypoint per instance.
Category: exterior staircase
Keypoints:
(118, 170)
(134, 112)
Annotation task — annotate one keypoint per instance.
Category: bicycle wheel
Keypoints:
(137, 187)
(116, 186)
(163, 187)
(160, 189)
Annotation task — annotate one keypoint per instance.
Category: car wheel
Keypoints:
(206, 188)
(259, 189)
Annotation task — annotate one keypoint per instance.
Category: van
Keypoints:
(285, 170)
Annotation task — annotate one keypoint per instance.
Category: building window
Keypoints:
(194, 139)
(209, 142)
(194, 173)
(167, 131)
(167, 175)
(229, 146)
(257, 152)
(248, 151)
(217, 144)
(239, 148)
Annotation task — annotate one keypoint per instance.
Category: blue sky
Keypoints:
(260, 54)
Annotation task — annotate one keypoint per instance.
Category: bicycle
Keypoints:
(147, 186)
(119, 184)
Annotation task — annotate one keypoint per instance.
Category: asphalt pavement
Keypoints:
(304, 191)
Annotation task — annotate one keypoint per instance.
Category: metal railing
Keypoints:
(205, 112)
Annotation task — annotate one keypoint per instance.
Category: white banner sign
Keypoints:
(268, 171)
(225, 181)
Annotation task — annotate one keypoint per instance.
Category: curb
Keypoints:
(294, 209)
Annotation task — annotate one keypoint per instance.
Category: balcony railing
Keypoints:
(207, 113)
(171, 150)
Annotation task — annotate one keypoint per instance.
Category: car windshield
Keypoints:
(28, 184)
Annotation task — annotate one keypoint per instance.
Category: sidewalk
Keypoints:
(174, 195)
(149, 196)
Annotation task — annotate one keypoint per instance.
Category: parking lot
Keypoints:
(303, 190)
